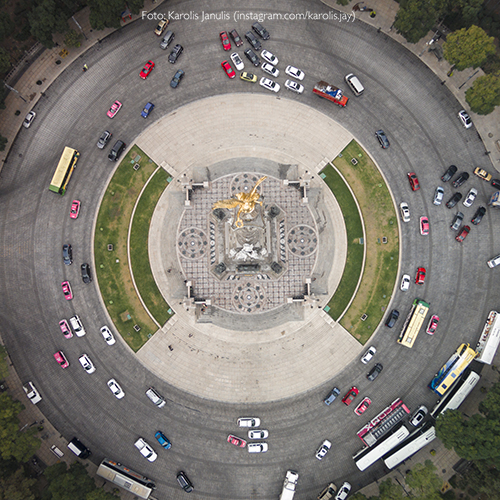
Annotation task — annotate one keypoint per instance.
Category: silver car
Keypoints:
(344, 490)
(438, 196)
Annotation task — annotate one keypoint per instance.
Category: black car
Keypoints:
(393, 317)
(460, 179)
(177, 79)
(116, 150)
(374, 372)
(236, 38)
(454, 200)
(252, 40)
(382, 138)
(261, 31)
(184, 482)
(103, 140)
(252, 56)
(457, 221)
(452, 170)
(67, 252)
(495, 183)
(478, 216)
(174, 55)
(86, 277)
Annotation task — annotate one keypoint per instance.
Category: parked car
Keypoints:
(257, 447)
(478, 216)
(241, 443)
(184, 482)
(405, 282)
(86, 363)
(392, 318)
(236, 38)
(67, 254)
(261, 31)
(495, 183)
(294, 72)
(471, 196)
(494, 262)
(452, 170)
(405, 211)
(248, 77)
(349, 397)
(115, 107)
(146, 450)
(269, 84)
(107, 335)
(168, 38)
(412, 177)
(104, 139)
(465, 118)
(228, 69)
(77, 325)
(343, 492)
(269, 57)
(258, 434)
(438, 196)
(460, 179)
(176, 80)
(149, 106)
(454, 200)
(252, 57)
(420, 277)
(175, 54)
(294, 86)
(253, 41)
(463, 234)
(334, 394)
(270, 69)
(66, 288)
(482, 174)
(459, 217)
(419, 415)
(115, 388)
(238, 63)
(323, 449)
(148, 67)
(374, 372)
(86, 276)
(61, 359)
(31, 393)
(432, 326)
(226, 44)
(362, 407)
(424, 225)
(162, 26)
(163, 440)
(249, 422)
(75, 209)
(382, 139)
(29, 119)
(368, 355)
(65, 329)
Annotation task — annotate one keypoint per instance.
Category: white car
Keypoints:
(258, 434)
(270, 69)
(270, 58)
(257, 447)
(29, 119)
(269, 84)
(77, 325)
(249, 422)
(368, 355)
(419, 415)
(438, 196)
(238, 63)
(323, 449)
(465, 118)
(471, 196)
(294, 86)
(295, 73)
(344, 490)
(32, 393)
(494, 262)
(86, 363)
(115, 388)
(146, 450)
(405, 211)
(405, 282)
(107, 335)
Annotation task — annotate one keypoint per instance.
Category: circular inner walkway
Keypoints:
(261, 358)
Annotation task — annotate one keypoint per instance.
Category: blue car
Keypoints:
(147, 109)
(332, 396)
(162, 439)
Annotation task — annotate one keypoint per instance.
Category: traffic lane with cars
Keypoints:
(87, 184)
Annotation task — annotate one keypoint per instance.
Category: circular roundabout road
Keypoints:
(402, 96)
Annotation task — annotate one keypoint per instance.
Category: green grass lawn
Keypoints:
(143, 276)
(112, 268)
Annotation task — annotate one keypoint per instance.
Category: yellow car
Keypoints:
(248, 77)
(162, 25)
(482, 174)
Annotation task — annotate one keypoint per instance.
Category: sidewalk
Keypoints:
(488, 127)
(46, 68)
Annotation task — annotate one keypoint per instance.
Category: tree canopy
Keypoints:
(423, 479)
(45, 20)
(415, 18)
(467, 48)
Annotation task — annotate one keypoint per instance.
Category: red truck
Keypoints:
(331, 93)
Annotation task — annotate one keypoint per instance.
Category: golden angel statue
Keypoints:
(246, 201)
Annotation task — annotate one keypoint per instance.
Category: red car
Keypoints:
(66, 288)
(115, 107)
(463, 234)
(228, 69)
(424, 226)
(225, 40)
(241, 443)
(75, 209)
(63, 325)
(412, 177)
(433, 323)
(361, 408)
(148, 67)
(61, 359)
(420, 278)
(349, 397)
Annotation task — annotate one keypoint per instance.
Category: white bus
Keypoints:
(368, 456)
(126, 478)
(490, 339)
(456, 396)
(414, 443)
